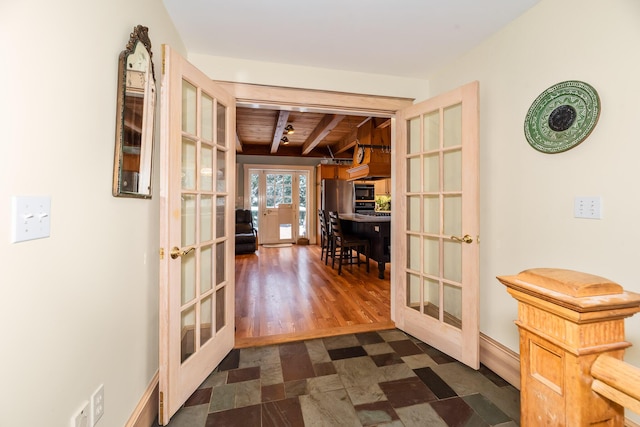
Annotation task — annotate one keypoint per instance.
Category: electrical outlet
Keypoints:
(97, 405)
(81, 418)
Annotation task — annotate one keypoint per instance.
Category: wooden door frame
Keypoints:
(321, 101)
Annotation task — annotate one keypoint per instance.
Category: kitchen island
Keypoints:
(376, 229)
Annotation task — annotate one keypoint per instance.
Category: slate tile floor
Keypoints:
(383, 378)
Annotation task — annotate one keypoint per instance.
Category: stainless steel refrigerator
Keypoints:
(337, 195)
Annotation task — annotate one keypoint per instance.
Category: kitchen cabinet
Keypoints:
(383, 187)
(332, 172)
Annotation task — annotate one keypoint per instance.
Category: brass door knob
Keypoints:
(464, 239)
(176, 252)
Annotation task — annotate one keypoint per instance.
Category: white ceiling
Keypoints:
(409, 38)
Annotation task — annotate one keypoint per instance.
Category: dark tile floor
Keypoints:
(383, 378)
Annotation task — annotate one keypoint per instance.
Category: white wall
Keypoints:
(526, 196)
(80, 308)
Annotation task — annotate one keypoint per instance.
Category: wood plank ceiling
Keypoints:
(260, 132)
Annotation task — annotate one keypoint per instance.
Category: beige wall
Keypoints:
(266, 73)
(80, 308)
(526, 196)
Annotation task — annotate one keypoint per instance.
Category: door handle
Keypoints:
(176, 252)
(464, 239)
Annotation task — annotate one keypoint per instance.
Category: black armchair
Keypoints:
(246, 236)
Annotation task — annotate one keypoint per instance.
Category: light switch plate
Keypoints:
(588, 207)
(31, 218)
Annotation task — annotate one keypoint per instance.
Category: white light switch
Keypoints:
(31, 218)
(588, 207)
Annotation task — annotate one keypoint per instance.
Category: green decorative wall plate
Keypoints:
(562, 116)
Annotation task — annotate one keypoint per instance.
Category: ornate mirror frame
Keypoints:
(135, 113)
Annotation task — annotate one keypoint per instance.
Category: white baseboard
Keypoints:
(500, 359)
(146, 411)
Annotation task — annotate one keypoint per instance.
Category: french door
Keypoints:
(437, 231)
(197, 222)
(278, 199)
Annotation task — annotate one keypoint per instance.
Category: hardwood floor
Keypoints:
(288, 294)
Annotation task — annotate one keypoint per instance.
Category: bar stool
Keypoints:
(343, 244)
(325, 235)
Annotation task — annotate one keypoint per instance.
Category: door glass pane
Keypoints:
(413, 213)
(220, 212)
(207, 118)
(302, 205)
(413, 175)
(188, 220)
(432, 131)
(453, 170)
(206, 218)
(413, 291)
(206, 268)
(206, 168)
(432, 214)
(413, 135)
(221, 175)
(431, 291)
(453, 261)
(188, 278)
(220, 262)
(413, 252)
(220, 308)
(188, 164)
(221, 121)
(254, 198)
(188, 107)
(453, 215)
(432, 173)
(431, 258)
(452, 125)
(206, 314)
(187, 333)
(452, 296)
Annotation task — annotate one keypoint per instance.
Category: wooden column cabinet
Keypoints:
(566, 320)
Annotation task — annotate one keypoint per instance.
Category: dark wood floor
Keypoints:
(288, 294)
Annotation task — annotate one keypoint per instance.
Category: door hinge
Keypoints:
(161, 253)
(161, 410)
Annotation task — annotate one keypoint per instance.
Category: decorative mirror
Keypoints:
(135, 118)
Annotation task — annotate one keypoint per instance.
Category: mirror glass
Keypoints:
(135, 118)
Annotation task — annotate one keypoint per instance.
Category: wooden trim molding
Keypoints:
(146, 411)
(629, 423)
(500, 359)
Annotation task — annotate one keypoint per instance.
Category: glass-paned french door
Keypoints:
(197, 224)
(437, 277)
(278, 201)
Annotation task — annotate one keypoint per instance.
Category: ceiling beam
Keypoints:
(238, 144)
(289, 151)
(283, 116)
(347, 142)
(325, 126)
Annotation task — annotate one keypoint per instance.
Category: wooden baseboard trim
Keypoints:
(500, 359)
(146, 411)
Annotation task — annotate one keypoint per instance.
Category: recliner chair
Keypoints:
(246, 236)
